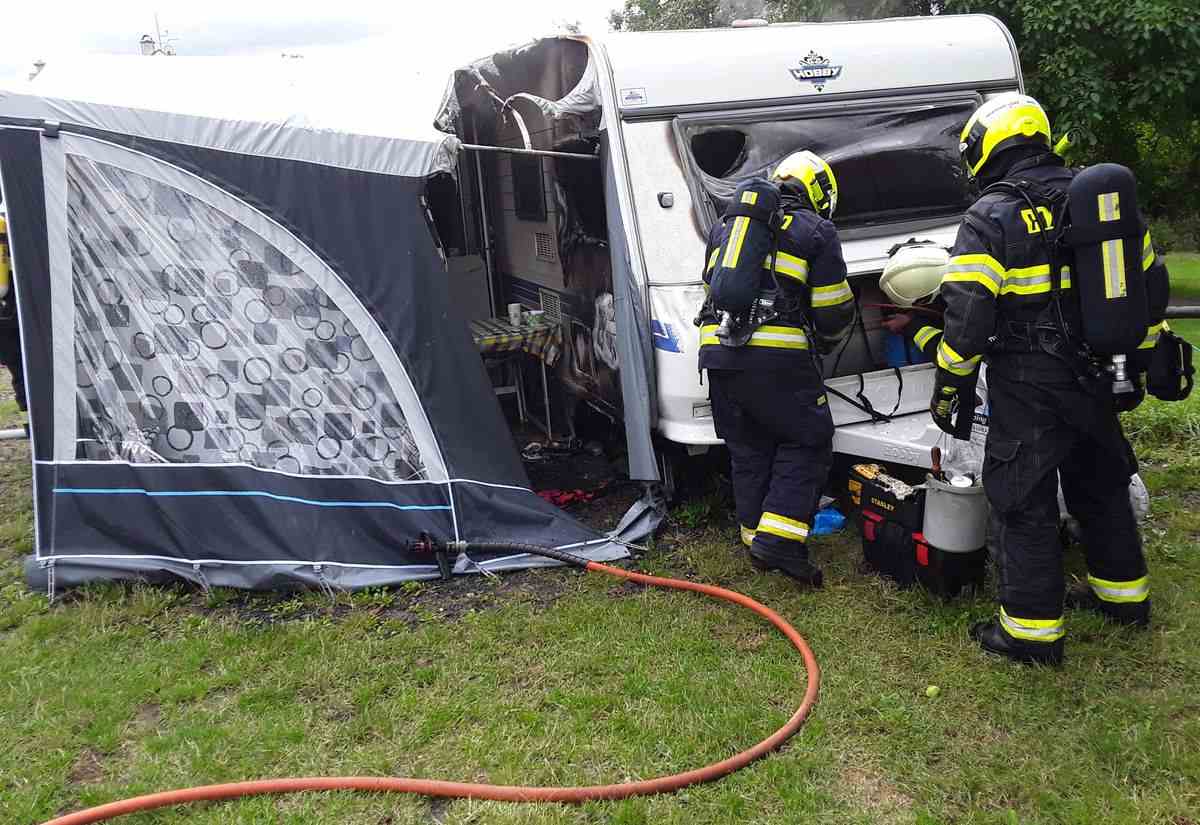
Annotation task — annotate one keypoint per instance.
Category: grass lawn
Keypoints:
(560, 677)
(1185, 288)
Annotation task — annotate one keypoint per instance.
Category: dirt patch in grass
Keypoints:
(87, 769)
(412, 603)
(147, 717)
(625, 588)
(887, 803)
(437, 810)
(463, 595)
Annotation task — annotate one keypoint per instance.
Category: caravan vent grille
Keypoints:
(551, 305)
(545, 246)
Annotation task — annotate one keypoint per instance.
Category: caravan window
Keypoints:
(895, 162)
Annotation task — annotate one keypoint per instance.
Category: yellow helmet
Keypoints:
(808, 172)
(1009, 119)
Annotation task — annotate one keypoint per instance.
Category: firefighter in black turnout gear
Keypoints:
(768, 396)
(1053, 410)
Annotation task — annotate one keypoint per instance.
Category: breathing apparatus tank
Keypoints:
(1105, 235)
(748, 241)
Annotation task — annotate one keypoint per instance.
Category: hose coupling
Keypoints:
(444, 552)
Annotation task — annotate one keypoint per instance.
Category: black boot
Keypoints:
(993, 639)
(787, 563)
(1137, 614)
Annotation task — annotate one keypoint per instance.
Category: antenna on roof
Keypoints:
(38, 65)
(160, 44)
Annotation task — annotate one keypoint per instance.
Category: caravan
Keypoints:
(624, 151)
(249, 365)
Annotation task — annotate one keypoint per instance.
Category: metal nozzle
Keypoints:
(725, 329)
(1121, 382)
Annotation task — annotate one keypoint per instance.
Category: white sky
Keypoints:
(436, 34)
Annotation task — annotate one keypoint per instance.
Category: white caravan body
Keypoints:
(883, 101)
(660, 77)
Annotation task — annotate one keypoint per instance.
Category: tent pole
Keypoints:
(545, 153)
(485, 234)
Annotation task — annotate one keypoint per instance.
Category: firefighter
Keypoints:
(768, 396)
(911, 280)
(1053, 413)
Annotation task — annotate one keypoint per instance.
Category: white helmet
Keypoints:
(914, 273)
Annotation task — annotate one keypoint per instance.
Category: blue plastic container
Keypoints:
(828, 520)
(898, 353)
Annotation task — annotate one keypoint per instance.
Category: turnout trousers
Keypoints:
(779, 432)
(1044, 427)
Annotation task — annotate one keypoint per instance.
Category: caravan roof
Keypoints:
(658, 72)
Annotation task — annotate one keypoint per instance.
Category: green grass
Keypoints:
(1185, 288)
(1185, 275)
(559, 677)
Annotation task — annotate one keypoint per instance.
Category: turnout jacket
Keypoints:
(999, 279)
(811, 274)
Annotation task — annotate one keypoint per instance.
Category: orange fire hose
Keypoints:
(504, 793)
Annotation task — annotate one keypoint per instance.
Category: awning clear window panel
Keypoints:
(199, 341)
(895, 162)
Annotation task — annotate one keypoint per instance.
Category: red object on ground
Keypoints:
(871, 521)
(560, 497)
(922, 549)
(505, 793)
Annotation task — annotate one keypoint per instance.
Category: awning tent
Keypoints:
(243, 365)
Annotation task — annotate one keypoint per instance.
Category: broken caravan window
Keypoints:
(896, 162)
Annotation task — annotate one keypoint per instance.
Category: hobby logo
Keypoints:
(816, 70)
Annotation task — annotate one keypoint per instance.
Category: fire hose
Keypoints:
(444, 554)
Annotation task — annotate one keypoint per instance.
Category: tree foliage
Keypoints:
(820, 11)
(655, 15)
(659, 15)
(1122, 76)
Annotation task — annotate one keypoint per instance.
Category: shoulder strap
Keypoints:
(1035, 193)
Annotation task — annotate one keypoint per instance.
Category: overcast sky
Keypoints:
(438, 33)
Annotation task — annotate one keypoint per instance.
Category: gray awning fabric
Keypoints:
(634, 346)
(287, 109)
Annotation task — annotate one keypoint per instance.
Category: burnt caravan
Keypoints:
(594, 169)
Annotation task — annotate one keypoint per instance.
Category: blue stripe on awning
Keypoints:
(110, 491)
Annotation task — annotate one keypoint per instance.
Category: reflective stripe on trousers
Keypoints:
(1033, 630)
(784, 527)
(1137, 590)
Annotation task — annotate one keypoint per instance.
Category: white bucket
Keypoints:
(955, 517)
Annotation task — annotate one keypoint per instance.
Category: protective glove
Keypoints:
(945, 402)
(1126, 401)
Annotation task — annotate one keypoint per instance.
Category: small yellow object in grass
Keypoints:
(932, 691)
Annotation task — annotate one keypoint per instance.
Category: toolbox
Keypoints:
(890, 515)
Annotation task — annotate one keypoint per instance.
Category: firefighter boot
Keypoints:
(1082, 596)
(992, 637)
(787, 562)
